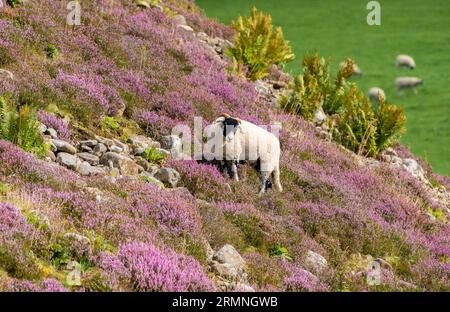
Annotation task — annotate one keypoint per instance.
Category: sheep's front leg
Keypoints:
(234, 171)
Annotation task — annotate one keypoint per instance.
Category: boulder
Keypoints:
(319, 117)
(315, 262)
(413, 167)
(100, 149)
(229, 255)
(90, 158)
(226, 270)
(179, 20)
(121, 162)
(151, 179)
(121, 145)
(90, 143)
(168, 176)
(63, 146)
(68, 160)
(143, 163)
(52, 133)
(116, 149)
(86, 169)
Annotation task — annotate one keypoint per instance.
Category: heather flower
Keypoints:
(56, 123)
(154, 269)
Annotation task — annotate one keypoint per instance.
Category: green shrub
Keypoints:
(258, 45)
(51, 51)
(280, 251)
(153, 156)
(355, 123)
(13, 3)
(109, 123)
(20, 126)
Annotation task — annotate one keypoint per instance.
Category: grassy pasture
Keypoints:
(338, 29)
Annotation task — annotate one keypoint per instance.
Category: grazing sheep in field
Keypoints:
(356, 70)
(408, 83)
(241, 140)
(405, 61)
(377, 94)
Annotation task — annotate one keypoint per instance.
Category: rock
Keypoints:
(86, 169)
(171, 142)
(50, 155)
(226, 270)
(315, 262)
(384, 264)
(277, 85)
(151, 179)
(143, 163)
(390, 151)
(90, 143)
(52, 133)
(123, 146)
(105, 141)
(229, 255)
(115, 149)
(168, 176)
(186, 28)
(140, 141)
(123, 163)
(179, 20)
(42, 128)
(319, 117)
(100, 149)
(85, 148)
(62, 146)
(261, 88)
(209, 252)
(163, 151)
(114, 172)
(413, 167)
(6, 74)
(68, 160)
(90, 158)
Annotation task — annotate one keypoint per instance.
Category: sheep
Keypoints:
(240, 140)
(377, 94)
(405, 61)
(355, 68)
(408, 83)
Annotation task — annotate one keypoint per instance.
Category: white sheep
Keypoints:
(377, 94)
(408, 83)
(405, 61)
(355, 68)
(239, 140)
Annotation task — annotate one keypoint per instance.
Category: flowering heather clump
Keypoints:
(154, 269)
(56, 123)
(299, 279)
(48, 285)
(202, 180)
(15, 242)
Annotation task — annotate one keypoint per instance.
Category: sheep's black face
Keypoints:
(230, 126)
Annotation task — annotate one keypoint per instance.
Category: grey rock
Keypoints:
(179, 20)
(42, 128)
(229, 255)
(105, 141)
(63, 146)
(123, 146)
(100, 149)
(52, 133)
(226, 270)
(171, 142)
(151, 179)
(319, 117)
(115, 149)
(143, 163)
(168, 176)
(68, 160)
(90, 158)
(51, 156)
(315, 262)
(90, 143)
(6, 74)
(121, 162)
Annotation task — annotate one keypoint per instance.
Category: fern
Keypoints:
(258, 45)
(20, 126)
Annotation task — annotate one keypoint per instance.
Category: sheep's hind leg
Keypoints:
(264, 178)
(234, 171)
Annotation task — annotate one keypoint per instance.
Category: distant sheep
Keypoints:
(356, 70)
(408, 83)
(377, 94)
(244, 141)
(405, 61)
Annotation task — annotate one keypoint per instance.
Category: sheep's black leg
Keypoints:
(234, 171)
(264, 178)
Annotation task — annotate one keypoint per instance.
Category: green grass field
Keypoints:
(339, 29)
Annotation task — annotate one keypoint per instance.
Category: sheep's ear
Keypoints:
(225, 115)
(238, 120)
(219, 120)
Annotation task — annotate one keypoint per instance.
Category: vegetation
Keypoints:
(20, 126)
(355, 124)
(153, 156)
(258, 45)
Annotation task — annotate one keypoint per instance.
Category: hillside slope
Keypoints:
(148, 71)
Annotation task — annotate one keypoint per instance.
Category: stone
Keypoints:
(171, 142)
(226, 270)
(315, 262)
(6, 74)
(42, 128)
(143, 163)
(86, 148)
(52, 133)
(123, 146)
(182, 190)
(63, 146)
(115, 149)
(68, 160)
(140, 141)
(114, 172)
(86, 169)
(163, 151)
(151, 179)
(105, 141)
(121, 162)
(186, 28)
(179, 20)
(413, 167)
(90, 158)
(229, 255)
(319, 117)
(90, 143)
(168, 176)
(50, 155)
(100, 149)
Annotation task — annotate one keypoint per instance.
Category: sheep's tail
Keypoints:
(276, 179)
